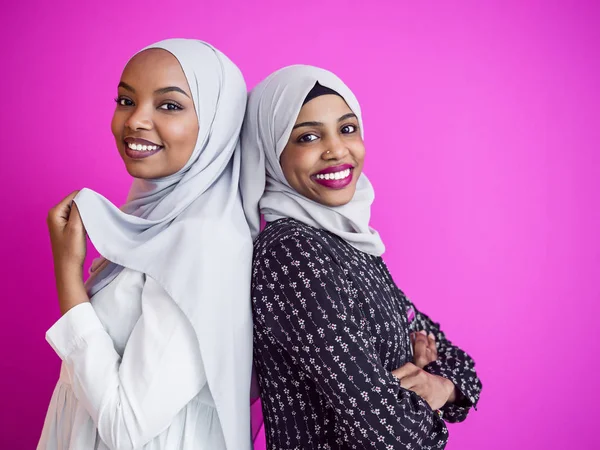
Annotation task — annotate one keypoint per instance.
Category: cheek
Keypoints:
(191, 137)
(287, 165)
(358, 152)
(116, 125)
(175, 132)
(181, 135)
(296, 163)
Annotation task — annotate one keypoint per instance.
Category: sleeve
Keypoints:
(453, 364)
(309, 307)
(134, 398)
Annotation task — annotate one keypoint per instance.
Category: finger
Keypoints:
(405, 370)
(420, 355)
(74, 216)
(420, 390)
(63, 209)
(75, 219)
(66, 206)
(432, 353)
(431, 340)
(420, 345)
(411, 381)
(417, 378)
(68, 199)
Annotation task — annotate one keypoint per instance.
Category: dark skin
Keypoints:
(155, 105)
(424, 347)
(327, 134)
(435, 390)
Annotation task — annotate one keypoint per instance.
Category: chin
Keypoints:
(337, 203)
(136, 171)
(337, 200)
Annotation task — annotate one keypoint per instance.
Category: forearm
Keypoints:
(69, 285)
(458, 369)
(455, 366)
(133, 398)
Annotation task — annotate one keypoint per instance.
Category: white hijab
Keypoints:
(188, 232)
(273, 107)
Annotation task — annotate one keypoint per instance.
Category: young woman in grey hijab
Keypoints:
(156, 346)
(344, 359)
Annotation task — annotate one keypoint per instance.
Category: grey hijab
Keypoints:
(188, 232)
(273, 107)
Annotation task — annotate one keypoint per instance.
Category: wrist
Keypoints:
(70, 296)
(451, 391)
(69, 284)
(68, 270)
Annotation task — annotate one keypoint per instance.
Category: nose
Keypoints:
(335, 148)
(140, 119)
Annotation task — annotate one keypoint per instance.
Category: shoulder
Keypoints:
(292, 239)
(229, 233)
(293, 262)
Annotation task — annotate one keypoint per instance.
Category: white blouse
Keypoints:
(132, 375)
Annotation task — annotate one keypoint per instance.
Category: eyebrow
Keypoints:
(347, 116)
(308, 124)
(171, 89)
(320, 124)
(158, 91)
(126, 86)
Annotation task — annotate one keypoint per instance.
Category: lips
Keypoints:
(334, 169)
(336, 177)
(137, 148)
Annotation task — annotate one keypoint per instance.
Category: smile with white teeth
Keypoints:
(143, 148)
(334, 175)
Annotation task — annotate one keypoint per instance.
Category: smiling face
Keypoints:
(324, 156)
(155, 123)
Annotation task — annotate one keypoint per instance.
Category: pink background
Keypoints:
(482, 137)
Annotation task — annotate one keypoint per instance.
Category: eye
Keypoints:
(348, 129)
(307, 138)
(123, 101)
(170, 106)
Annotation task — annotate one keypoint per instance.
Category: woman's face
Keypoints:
(155, 123)
(325, 153)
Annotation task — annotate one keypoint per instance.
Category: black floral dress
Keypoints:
(329, 327)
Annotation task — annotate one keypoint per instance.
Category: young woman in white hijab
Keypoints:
(156, 346)
(344, 359)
